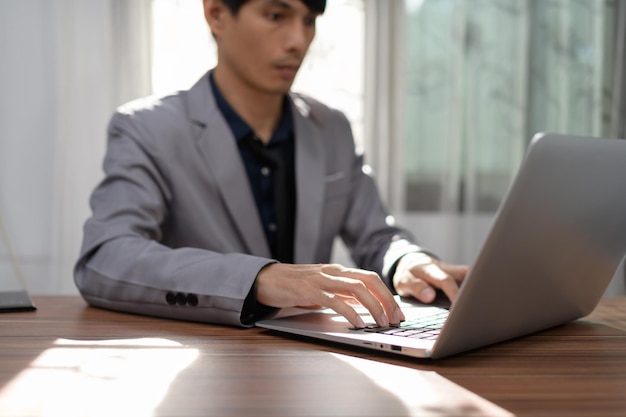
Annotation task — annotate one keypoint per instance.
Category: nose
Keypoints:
(299, 36)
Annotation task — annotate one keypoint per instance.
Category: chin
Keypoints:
(280, 89)
(283, 84)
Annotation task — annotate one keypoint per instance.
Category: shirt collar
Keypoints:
(240, 128)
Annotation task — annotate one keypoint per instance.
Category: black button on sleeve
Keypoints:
(181, 299)
(170, 298)
(192, 300)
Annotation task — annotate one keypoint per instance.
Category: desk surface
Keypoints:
(105, 362)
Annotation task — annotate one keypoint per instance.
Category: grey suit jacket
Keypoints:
(175, 231)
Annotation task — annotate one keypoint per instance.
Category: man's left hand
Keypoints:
(419, 275)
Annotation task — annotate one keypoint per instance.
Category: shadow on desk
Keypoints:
(306, 382)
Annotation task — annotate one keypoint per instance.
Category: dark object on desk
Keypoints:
(12, 301)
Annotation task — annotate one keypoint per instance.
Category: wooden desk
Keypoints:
(68, 359)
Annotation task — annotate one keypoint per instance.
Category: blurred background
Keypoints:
(443, 97)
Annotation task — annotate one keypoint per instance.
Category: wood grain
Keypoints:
(578, 369)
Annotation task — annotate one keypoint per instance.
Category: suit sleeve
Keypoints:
(124, 266)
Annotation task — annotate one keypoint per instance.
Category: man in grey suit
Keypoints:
(221, 203)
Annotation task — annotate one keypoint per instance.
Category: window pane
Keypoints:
(482, 78)
(182, 46)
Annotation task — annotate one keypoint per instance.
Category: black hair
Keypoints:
(316, 6)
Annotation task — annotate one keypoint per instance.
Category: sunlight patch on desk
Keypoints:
(424, 393)
(97, 378)
(143, 342)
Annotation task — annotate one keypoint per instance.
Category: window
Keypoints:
(467, 85)
(482, 77)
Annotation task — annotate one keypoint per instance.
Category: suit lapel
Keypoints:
(216, 142)
(310, 171)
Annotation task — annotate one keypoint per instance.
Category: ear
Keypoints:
(214, 11)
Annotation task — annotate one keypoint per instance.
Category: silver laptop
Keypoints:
(555, 243)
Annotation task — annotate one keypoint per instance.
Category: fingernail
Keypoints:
(359, 322)
(427, 294)
(398, 316)
(383, 320)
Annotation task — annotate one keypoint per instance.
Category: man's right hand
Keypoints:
(332, 286)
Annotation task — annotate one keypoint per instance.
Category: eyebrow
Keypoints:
(288, 6)
(279, 3)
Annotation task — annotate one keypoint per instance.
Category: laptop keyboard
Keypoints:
(425, 327)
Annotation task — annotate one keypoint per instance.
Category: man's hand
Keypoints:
(333, 286)
(418, 275)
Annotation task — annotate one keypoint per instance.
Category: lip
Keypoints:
(287, 71)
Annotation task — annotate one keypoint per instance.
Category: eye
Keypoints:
(275, 16)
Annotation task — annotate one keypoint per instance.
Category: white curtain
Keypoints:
(66, 65)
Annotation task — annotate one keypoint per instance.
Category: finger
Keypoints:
(336, 304)
(356, 289)
(435, 276)
(417, 288)
(450, 288)
(371, 292)
(458, 272)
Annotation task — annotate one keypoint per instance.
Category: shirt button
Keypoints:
(265, 171)
(271, 227)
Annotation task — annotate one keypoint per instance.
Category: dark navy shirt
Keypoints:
(259, 173)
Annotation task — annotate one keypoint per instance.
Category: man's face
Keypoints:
(265, 43)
